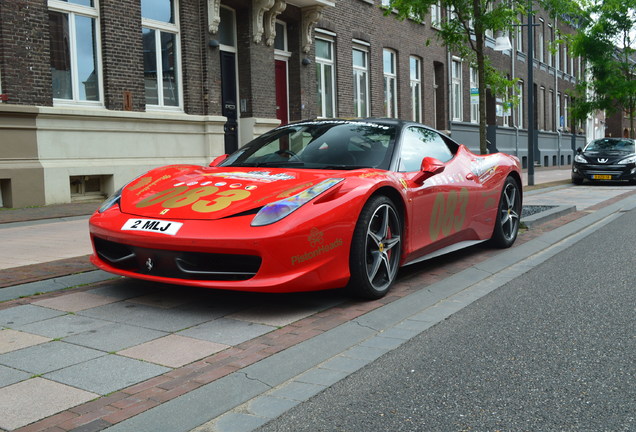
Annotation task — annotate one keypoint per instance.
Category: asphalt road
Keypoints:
(552, 350)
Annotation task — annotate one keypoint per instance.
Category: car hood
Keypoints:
(195, 192)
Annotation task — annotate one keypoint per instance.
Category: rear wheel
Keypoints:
(375, 249)
(508, 215)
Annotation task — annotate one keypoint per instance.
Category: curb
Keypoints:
(547, 215)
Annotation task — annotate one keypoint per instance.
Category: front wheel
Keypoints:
(508, 215)
(375, 249)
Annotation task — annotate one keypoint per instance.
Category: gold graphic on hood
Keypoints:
(182, 196)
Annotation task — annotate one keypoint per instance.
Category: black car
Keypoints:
(604, 159)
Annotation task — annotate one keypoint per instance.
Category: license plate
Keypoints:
(601, 177)
(152, 225)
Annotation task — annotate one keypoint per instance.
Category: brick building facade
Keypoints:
(97, 91)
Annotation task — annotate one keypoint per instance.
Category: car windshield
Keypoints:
(612, 144)
(321, 144)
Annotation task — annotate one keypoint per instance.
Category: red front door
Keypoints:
(282, 112)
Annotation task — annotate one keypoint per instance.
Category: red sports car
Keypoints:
(307, 206)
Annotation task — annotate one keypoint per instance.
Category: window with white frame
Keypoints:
(520, 105)
(386, 3)
(519, 36)
(550, 112)
(565, 113)
(541, 109)
(325, 77)
(75, 51)
(551, 44)
(390, 83)
(360, 80)
(557, 56)
(565, 59)
(436, 15)
(541, 43)
(456, 90)
(415, 66)
(474, 95)
(162, 53)
(557, 110)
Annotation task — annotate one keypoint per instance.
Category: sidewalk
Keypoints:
(124, 355)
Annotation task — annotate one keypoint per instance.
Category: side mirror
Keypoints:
(579, 150)
(430, 166)
(218, 160)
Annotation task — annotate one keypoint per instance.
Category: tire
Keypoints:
(577, 181)
(376, 249)
(508, 215)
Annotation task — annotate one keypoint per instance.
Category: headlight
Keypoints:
(579, 158)
(110, 201)
(627, 160)
(278, 210)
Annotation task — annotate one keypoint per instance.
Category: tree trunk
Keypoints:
(481, 72)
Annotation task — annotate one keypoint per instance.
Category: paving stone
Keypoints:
(74, 302)
(48, 357)
(323, 377)
(297, 391)
(227, 331)
(35, 399)
(238, 422)
(12, 340)
(10, 376)
(63, 326)
(146, 316)
(270, 406)
(277, 315)
(107, 374)
(114, 337)
(173, 350)
(25, 314)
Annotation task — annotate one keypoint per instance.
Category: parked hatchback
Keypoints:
(605, 159)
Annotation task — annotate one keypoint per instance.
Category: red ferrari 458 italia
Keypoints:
(308, 206)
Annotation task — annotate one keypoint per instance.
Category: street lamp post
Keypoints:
(503, 44)
(530, 95)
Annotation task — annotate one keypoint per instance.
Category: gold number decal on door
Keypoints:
(448, 214)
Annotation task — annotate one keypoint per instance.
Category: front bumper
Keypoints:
(603, 172)
(227, 253)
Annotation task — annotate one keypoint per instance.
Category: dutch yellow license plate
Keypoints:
(601, 177)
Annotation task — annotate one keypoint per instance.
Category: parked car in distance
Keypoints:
(311, 205)
(605, 159)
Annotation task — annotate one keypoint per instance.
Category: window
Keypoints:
(436, 15)
(360, 81)
(565, 113)
(565, 59)
(474, 95)
(541, 43)
(415, 66)
(519, 35)
(520, 105)
(549, 112)
(541, 109)
(456, 90)
(551, 44)
(390, 83)
(160, 35)
(418, 143)
(557, 56)
(325, 78)
(75, 52)
(557, 111)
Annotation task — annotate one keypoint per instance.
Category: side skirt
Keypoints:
(447, 249)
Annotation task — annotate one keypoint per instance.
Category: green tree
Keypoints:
(607, 40)
(464, 33)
